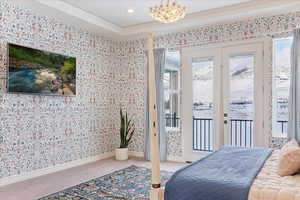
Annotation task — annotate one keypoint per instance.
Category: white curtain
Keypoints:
(159, 60)
(294, 99)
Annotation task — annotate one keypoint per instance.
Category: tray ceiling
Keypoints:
(115, 11)
(110, 17)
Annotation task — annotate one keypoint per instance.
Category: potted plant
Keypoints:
(127, 130)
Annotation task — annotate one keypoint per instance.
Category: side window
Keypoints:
(281, 84)
(172, 89)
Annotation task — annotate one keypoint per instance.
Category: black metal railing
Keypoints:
(283, 126)
(172, 120)
(202, 134)
(241, 133)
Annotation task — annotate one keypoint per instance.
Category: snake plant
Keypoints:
(127, 130)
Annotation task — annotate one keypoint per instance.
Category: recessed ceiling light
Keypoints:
(130, 10)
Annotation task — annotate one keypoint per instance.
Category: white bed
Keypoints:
(268, 185)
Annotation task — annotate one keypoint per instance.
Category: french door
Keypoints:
(243, 94)
(201, 72)
(222, 97)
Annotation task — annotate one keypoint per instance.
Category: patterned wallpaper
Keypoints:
(132, 87)
(262, 27)
(43, 131)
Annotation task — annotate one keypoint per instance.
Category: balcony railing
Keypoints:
(283, 126)
(202, 134)
(241, 133)
(172, 120)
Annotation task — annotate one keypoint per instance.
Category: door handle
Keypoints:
(225, 122)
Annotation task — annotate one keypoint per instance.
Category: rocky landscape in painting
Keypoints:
(40, 72)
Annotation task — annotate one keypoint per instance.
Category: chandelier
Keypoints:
(168, 11)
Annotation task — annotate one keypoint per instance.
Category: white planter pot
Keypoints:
(122, 154)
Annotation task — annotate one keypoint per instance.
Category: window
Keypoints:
(172, 88)
(281, 84)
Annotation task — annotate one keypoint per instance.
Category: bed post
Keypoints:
(155, 192)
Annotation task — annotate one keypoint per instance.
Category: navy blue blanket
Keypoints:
(226, 174)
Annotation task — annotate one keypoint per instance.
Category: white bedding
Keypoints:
(268, 185)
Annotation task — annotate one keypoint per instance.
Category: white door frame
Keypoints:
(187, 96)
(186, 105)
(255, 49)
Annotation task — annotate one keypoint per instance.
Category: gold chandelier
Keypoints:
(168, 11)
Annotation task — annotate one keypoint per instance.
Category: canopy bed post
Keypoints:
(156, 193)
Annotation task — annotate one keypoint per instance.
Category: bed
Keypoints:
(234, 173)
(226, 174)
(268, 185)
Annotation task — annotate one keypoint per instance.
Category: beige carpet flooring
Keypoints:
(42, 186)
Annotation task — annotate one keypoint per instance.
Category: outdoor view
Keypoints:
(202, 72)
(202, 87)
(241, 90)
(241, 100)
(241, 107)
(241, 94)
(41, 72)
(281, 82)
(171, 88)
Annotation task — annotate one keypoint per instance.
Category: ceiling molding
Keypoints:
(218, 15)
(81, 14)
(228, 13)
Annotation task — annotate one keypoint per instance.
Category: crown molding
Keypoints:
(81, 14)
(225, 14)
(228, 13)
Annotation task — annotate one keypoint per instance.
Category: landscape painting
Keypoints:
(40, 72)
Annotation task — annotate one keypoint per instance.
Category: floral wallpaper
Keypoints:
(132, 86)
(42, 131)
(262, 27)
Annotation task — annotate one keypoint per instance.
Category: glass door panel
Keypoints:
(202, 69)
(243, 95)
(241, 100)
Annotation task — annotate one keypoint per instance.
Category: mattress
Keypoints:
(268, 185)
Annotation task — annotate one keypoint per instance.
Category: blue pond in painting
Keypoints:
(39, 72)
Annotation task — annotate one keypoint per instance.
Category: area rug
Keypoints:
(132, 183)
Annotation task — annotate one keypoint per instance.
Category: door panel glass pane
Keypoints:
(202, 70)
(241, 100)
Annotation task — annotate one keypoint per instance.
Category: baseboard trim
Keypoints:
(175, 159)
(169, 158)
(40, 172)
(136, 154)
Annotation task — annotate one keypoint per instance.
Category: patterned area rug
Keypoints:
(132, 183)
